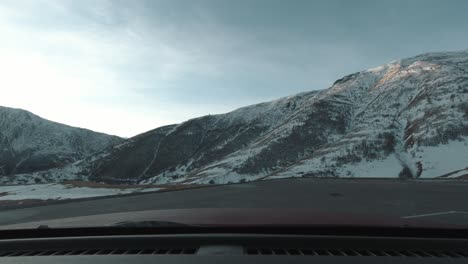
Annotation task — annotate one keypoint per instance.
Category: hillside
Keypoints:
(407, 119)
(29, 143)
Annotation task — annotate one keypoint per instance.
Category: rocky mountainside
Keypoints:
(407, 118)
(29, 143)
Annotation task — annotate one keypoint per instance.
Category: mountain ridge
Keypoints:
(31, 143)
(8, 108)
(401, 119)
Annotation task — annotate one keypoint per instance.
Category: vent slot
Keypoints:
(355, 252)
(130, 251)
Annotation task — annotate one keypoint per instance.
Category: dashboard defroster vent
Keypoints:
(131, 251)
(355, 252)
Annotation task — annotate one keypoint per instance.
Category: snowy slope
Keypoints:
(407, 118)
(176, 150)
(29, 143)
(57, 191)
(415, 112)
(410, 114)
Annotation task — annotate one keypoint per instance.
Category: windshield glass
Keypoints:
(225, 112)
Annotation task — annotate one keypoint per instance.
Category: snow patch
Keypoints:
(443, 159)
(61, 191)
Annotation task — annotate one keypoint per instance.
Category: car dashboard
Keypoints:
(222, 246)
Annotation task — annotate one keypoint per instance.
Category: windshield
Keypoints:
(218, 112)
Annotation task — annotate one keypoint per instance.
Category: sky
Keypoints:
(125, 67)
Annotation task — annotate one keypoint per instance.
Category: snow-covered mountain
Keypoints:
(29, 143)
(407, 118)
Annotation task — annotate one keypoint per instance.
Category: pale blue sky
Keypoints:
(124, 67)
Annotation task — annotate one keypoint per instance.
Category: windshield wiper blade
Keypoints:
(149, 224)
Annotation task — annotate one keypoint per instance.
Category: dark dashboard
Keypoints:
(241, 245)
